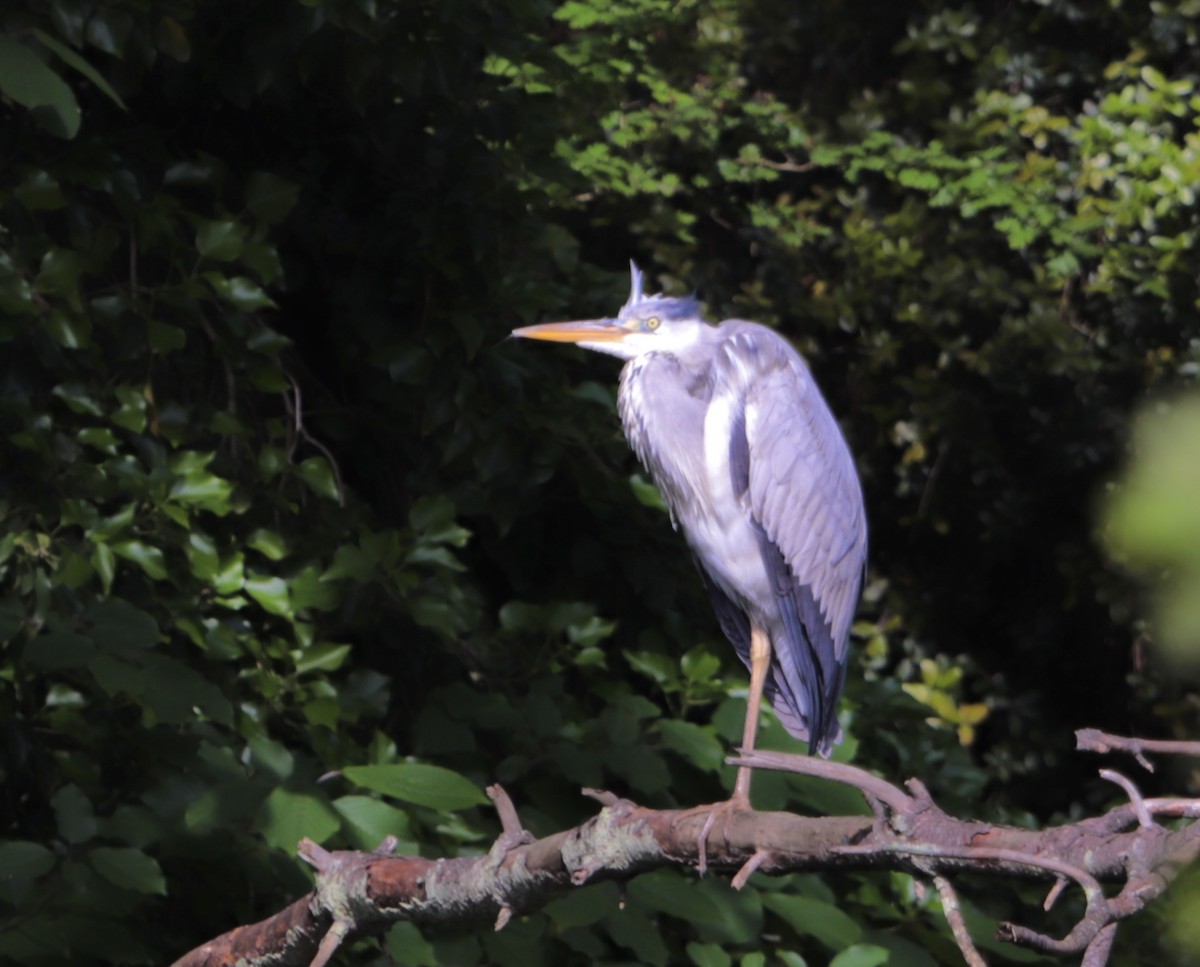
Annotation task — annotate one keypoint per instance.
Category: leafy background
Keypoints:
(294, 542)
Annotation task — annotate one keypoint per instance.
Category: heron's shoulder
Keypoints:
(753, 346)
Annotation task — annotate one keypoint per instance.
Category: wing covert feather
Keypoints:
(804, 490)
(803, 494)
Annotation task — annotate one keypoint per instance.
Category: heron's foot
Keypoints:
(514, 834)
(714, 812)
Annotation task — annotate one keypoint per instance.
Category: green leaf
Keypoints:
(29, 82)
(78, 398)
(640, 934)
(823, 921)
(318, 474)
(73, 813)
(58, 275)
(708, 955)
(172, 39)
(269, 197)
(430, 513)
(694, 742)
(219, 239)
(12, 619)
(370, 820)
(24, 860)
(656, 666)
(87, 70)
(668, 892)
(149, 559)
(40, 191)
(129, 869)
(322, 656)
(309, 591)
(56, 650)
(231, 577)
(239, 291)
(105, 563)
(100, 437)
(583, 907)
(286, 817)
(861, 955)
(121, 628)
(69, 331)
(905, 953)
(272, 756)
(647, 493)
(73, 570)
(109, 527)
(350, 561)
(699, 664)
(408, 948)
(271, 461)
(164, 337)
(916, 178)
(418, 783)
(271, 592)
(268, 543)
(131, 414)
(203, 490)
(20, 864)
(202, 555)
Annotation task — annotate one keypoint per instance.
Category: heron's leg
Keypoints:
(760, 661)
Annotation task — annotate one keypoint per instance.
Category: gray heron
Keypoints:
(755, 471)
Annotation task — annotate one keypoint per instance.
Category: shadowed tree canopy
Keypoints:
(295, 543)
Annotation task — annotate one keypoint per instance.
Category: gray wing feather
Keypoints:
(804, 495)
(804, 489)
(735, 625)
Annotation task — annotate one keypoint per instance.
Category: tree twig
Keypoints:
(1145, 820)
(1093, 740)
(958, 926)
(892, 796)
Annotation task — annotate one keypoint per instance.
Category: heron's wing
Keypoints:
(736, 627)
(801, 490)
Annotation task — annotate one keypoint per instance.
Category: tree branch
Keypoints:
(359, 894)
(1093, 740)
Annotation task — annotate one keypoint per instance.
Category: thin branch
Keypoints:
(1055, 892)
(894, 797)
(1122, 817)
(958, 926)
(789, 165)
(295, 409)
(742, 876)
(330, 942)
(979, 855)
(931, 480)
(1145, 820)
(1098, 950)
(1093, 740)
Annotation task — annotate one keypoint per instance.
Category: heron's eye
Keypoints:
(653, 323)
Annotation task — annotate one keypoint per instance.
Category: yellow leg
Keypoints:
(760, 661)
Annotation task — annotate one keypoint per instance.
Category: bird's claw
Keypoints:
(725, 810)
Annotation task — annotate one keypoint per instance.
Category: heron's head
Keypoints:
(646, 323)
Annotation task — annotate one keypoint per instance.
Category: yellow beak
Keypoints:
(588, 330)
